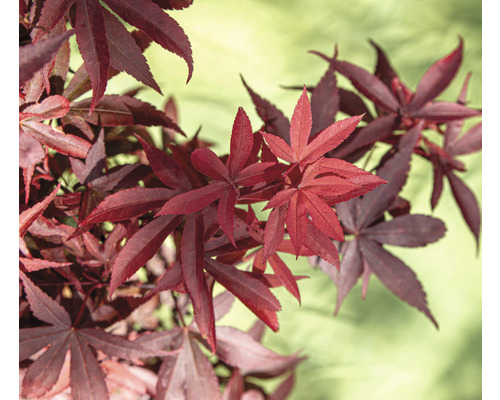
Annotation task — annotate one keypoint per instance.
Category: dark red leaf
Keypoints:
(240, 350)
(140, 248)
(467, 203)
(300, 125)
(32, 57)
(163, 29)
(442, 111)
(51, 107)
(407, 231)
(114, 110)
(437, 78)
(27, 217)
(70, 145)
(367, 84)
(95, 53)
(125, 54)
(209, 164)
(325, 101)
(194, 200)
(470, 142)
(394, 274)
(383, 70)
(394, 171)
(241, 143)
(129, 203)
(275, 122)
(351, 269)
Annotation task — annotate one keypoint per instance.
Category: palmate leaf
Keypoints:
(365, 255)
(87, 378)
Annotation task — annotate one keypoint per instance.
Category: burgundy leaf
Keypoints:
(125, 54)
(207, 162)
(163, 29)
(367, 84)
(128, 203)
(27, 217)
(32, 57)
(95, 53)
(394, 274)
(36, 264)
(223, 303)
(241, 143)
(70, 145)
(281, 270)
(51, 107)
(114, 110)
(467, 203)
(300, 125)
(275, 122)
(87, 378)
(52, 12)
(31, 151)
(240, 350)
(470, 142)
(444, 111)
(194, 200)
(320, 244)
(94, 162)
(407, 231)
(437, 78)
(140, 248)
(274, 232)
(394, 171)
(325, 100)
(43, 307)
(383, 70)
(173, 4)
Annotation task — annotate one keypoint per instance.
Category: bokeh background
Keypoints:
(379, 348)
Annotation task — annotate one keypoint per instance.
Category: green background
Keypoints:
(379, 348)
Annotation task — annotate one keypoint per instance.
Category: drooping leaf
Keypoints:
(95, 53)
(32, 57)
(162, 28)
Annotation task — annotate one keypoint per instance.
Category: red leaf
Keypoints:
(279, 147)
(125, 54)
(320, 244)
(95, 53)
(163, 29)
(351, 269)
(282, 271)
(194, 200)
(470, 142)
(140, 248)
(325, 100)
(296, 221)
(467, 203)
(128, 203)
(27, 217)
(323, 216)
(114, 110)
(32, 57)
(300, 125)
(275, 122)
(36, 264)
(241, 143)
(52, 12)
(369, 85)
(207, 162)
(274, 232)
(43, 307)
(408, 231)
(51, 107)
(240, 350)
(253, 293)
(329, 138)
(394, 274)
(63, 143)
(437, 78)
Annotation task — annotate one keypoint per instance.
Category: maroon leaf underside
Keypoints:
(325, 101)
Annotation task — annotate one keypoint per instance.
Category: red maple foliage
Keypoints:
(89, 223)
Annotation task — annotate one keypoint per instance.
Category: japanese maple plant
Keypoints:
(104, 243)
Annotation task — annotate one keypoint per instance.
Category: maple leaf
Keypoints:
(226, 178)
(397, 105)
(32, 57)
(363, 217)
(304, 192)
(87, 378)
(97, 33)
(445, 164)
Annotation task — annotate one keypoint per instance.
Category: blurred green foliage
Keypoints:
(378, 348)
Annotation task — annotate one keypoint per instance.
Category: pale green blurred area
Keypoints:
(379, 348)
